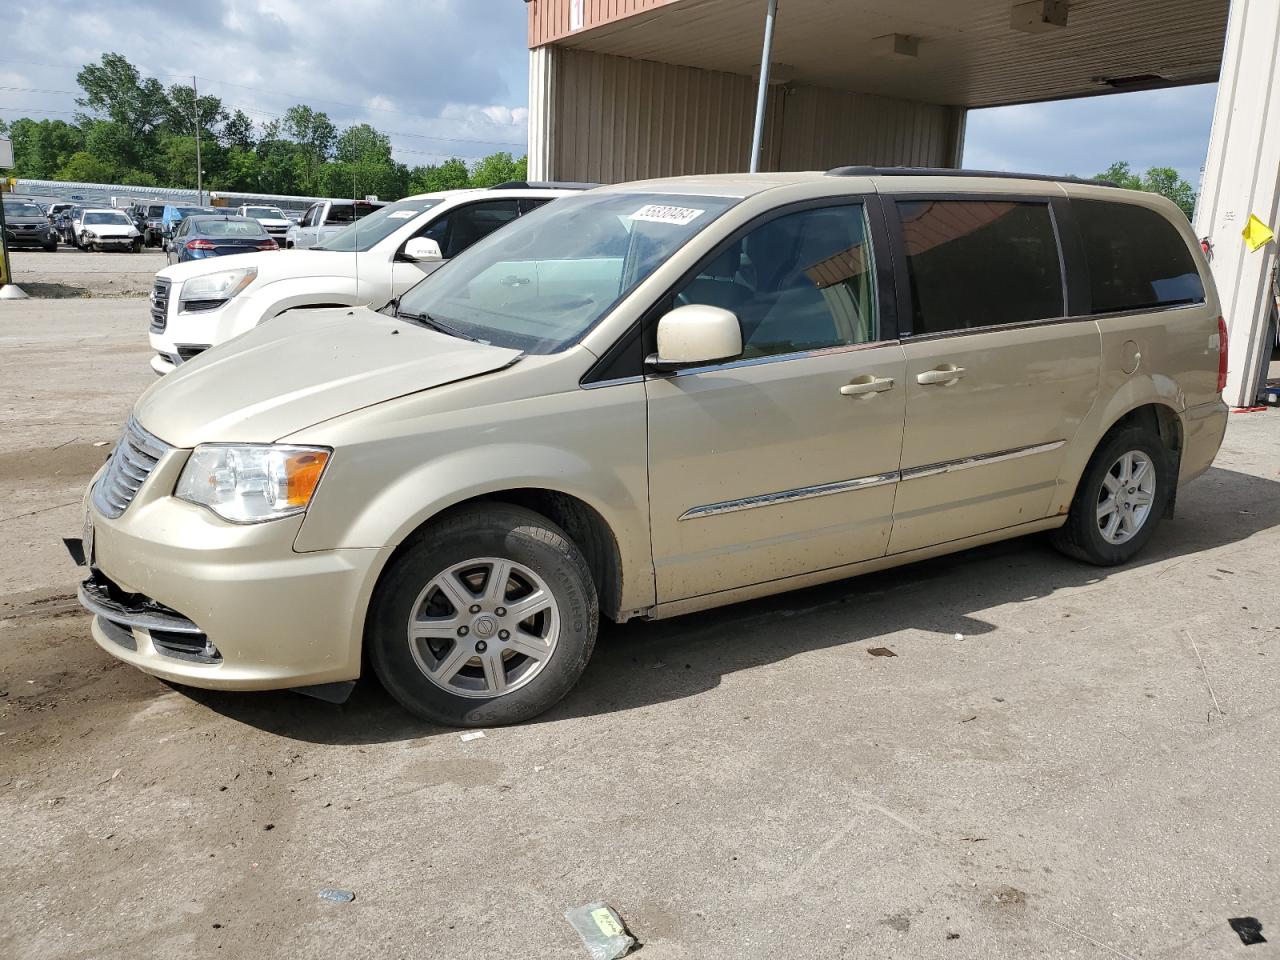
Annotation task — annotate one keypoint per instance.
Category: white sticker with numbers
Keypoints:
(661, 213)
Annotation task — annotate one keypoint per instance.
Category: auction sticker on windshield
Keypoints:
(403, 214)
(661, 213)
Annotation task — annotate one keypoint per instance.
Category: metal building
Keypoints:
(628, 89)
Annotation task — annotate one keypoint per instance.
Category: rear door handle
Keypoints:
(943, 375)
(862, 387)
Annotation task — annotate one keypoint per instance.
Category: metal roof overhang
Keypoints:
(968, 54)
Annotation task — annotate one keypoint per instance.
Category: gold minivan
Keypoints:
(649, 399)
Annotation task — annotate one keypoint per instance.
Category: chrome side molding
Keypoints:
(863, 483)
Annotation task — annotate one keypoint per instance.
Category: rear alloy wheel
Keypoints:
(487, 617)
(1120, 500)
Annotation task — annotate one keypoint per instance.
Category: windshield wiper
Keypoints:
(431, 323)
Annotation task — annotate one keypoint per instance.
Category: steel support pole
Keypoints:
(762, 97)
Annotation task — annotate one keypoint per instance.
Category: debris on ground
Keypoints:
(336, 895)
(881, 652)
(602, 931)
(953, 936)
(473, 735)
(1248, 929)
(959, 636)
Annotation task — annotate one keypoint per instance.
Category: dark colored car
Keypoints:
(26, 225)
(199, 236)
(148, 217)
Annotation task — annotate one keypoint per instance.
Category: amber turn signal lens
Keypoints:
(303, 471)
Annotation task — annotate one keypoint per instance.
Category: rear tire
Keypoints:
(439, 632)
(1120, 500)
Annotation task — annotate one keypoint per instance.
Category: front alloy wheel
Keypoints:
(486, 616)
(484, 627)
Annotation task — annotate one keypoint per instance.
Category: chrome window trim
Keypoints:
(1052, 321)
(864, 483)
(981, 460)
(776, 358)
(789, 496)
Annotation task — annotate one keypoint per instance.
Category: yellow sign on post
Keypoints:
(1256, 233)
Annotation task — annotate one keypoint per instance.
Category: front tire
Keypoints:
(1121, 498)
(487, 617)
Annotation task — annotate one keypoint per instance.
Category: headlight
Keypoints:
(90, 234)
(222, 285)
(252, 482)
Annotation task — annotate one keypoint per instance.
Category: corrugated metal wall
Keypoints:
(614, 118)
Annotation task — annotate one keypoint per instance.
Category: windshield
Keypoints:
(265, 213)
(542, 282)
(16, 209)
(377, 226)
(155, 211)
(227, 228)
(187, 211)
(106, 218)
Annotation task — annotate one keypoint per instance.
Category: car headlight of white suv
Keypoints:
(214, 289)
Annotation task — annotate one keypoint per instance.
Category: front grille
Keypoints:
(132, 461)
(160, 305)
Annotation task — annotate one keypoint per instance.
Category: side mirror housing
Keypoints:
(422, 250)
(696, 334)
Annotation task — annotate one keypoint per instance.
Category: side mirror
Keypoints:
(422, 250)
(696, 334)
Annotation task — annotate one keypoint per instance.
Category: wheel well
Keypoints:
(583, 523)
(1160, 420)
(1164, 423)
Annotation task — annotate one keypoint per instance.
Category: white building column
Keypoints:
(1242, 176)
(542, 62)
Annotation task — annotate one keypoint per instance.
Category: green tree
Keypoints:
(237, 131)
(450, 175)
(115, 88)
(498, 168)
(41, 147)
(314, 132)
(84, 167)
(1162, 180)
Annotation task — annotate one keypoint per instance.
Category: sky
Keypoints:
(450, 78)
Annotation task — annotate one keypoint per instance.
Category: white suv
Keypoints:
(201, 303)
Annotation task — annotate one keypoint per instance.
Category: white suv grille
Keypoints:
(132, 461)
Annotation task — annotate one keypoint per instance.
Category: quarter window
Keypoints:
(980, 263)
(1137, 259)
(804, 281)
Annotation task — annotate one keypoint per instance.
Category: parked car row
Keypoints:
(373, 259)
(636, 401)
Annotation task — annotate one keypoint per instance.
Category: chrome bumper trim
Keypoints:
(95, 599)
(789, 496)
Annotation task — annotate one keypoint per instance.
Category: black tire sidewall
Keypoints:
(1085, 534)
(500, 531)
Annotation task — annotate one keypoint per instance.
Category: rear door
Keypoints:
(998, 375)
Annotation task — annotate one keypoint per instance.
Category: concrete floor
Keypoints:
(1089, 771)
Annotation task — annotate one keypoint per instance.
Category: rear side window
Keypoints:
(1137, 259)
(980, 263)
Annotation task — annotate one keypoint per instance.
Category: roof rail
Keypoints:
(544, 185)
(865, 171)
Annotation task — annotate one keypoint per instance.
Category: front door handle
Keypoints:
(945, 375)
(863, 386)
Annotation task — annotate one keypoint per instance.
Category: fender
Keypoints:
(274, 298)
(1123, 394)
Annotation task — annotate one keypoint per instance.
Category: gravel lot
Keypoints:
(1089, 770)
(75, 273)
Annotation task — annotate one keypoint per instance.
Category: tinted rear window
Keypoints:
(1137, 259)
(980, 263)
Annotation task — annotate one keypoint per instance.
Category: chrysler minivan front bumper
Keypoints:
(186, 596)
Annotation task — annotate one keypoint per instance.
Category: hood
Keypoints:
(304, 367)
(12, 221)
(110, 229)
(272, 265)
